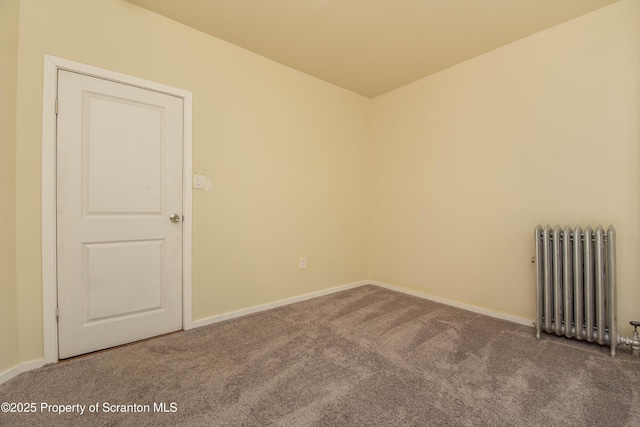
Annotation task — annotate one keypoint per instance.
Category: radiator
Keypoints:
(576, 283)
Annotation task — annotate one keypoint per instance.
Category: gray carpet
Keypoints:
(362, 357)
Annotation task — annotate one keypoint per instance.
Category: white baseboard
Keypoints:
(263, 307)
(269, 306)
(468, 307)
(17, 370)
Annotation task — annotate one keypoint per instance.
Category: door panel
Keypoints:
(119, 179)
(122, 133)
(109, 292)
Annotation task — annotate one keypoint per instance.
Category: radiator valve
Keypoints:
(634, 341)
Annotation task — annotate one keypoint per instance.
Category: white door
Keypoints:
(119, 213)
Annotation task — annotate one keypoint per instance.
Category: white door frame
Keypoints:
(49, 269)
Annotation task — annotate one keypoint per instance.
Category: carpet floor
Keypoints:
(362, 357)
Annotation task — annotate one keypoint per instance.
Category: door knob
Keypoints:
(174, 218)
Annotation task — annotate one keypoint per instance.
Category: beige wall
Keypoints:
(285, 152)
(435, 187)
(466, 162)
(9, 14)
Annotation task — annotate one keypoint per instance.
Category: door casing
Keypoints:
(49, 269)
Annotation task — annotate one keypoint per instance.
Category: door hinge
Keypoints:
(56, 107)
(57, 314)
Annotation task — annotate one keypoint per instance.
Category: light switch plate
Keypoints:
(198, 181)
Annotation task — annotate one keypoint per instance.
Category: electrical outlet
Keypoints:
(303, 263)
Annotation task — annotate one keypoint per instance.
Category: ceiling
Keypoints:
(371, 46)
